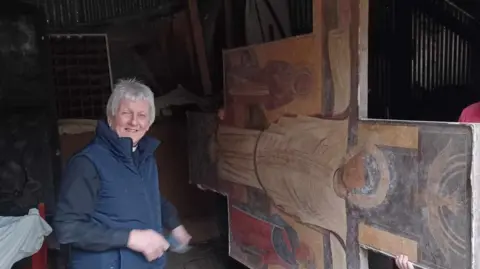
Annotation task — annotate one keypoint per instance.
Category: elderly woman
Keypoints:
(110, 211)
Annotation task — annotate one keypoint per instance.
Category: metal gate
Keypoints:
(417, 48)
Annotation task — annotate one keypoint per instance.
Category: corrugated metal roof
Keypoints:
(70, 13)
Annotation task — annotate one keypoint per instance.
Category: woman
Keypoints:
(110, 211)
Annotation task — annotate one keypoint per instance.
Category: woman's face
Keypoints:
(132, 119)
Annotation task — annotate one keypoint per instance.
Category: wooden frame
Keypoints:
(308, 180)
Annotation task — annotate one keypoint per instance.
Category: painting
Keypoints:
(308, 182)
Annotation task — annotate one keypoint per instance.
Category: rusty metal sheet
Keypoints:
(70, 13)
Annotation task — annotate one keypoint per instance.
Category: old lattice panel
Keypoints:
(308, 182)
(81, 75)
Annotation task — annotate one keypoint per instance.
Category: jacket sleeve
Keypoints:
(72, 223)
(170, 219)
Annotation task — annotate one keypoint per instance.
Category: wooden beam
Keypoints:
(197, 33)
(363, 61)
(364, 258)
(227, 5)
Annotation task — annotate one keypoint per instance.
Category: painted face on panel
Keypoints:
(132, 119)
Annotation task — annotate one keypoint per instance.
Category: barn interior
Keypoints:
(60, 59)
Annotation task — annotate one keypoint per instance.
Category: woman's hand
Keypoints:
(403, 263)
(181, 235)
(148, 242)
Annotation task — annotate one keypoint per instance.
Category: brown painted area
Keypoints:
(354, 173)
(277, 78)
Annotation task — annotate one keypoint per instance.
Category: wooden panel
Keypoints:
(266, 81)
(305, 157)
(387, 242)
(295, 168)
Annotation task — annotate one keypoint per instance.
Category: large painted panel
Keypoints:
(394, 196)
(308, 182)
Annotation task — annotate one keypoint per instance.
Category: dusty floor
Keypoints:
(197, 257)
(213, 255)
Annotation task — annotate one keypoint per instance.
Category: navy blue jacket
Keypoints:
(107, 191)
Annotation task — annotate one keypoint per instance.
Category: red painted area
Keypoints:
(39, 259)
(256, 237)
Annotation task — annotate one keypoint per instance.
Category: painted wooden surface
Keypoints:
(307, 181)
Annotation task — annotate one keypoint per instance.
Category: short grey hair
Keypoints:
(130, 89)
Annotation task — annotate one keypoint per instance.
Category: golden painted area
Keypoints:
(389, 135)
(387, 242)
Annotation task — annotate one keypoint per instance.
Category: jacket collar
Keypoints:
(122, 147)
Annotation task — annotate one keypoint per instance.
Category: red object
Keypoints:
(39, 259)
(255, 235)
(471, 114)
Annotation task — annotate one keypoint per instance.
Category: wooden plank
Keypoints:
(227, 5)
(364, 259)
(402, 136)
(197, 33)
(387, 242)
(363, 61)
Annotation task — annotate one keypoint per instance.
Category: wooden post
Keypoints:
(227, 7)
(199, 43)
(364, 258)
(363, 61)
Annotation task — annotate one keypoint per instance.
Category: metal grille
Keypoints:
(81, 74)
(67, 13)
(417, 47)
(301, 16)
(441, 55)
(381, 31)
